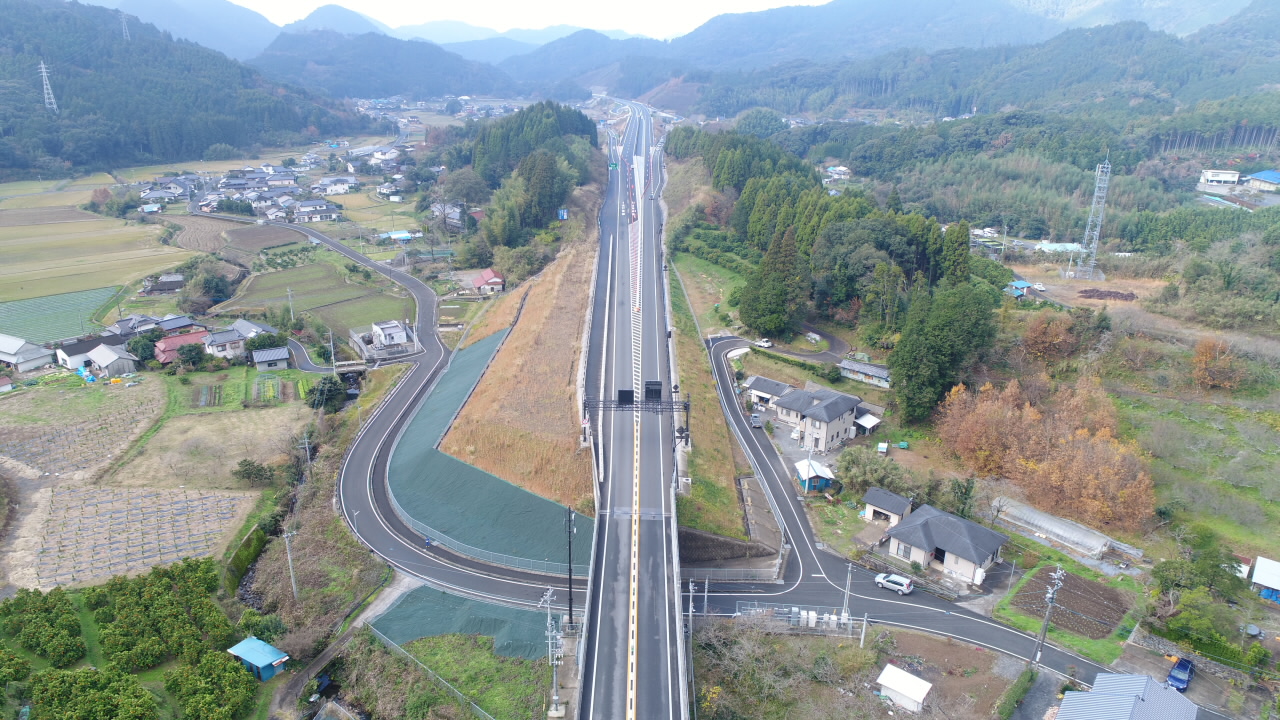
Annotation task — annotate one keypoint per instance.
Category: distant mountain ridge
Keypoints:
(376, 65)
(489, 50)
(338, 19)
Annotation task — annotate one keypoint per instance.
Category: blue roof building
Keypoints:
(1268, 180)
(259, 658)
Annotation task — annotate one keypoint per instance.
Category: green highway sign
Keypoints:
(613, 166)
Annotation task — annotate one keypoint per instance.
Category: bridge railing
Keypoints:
(436, 537)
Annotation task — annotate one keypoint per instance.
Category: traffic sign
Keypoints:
(613, 166)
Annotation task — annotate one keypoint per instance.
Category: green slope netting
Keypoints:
(463, 502)
(427, 612)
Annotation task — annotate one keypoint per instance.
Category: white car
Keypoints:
(897, 583)
(1039, 287)
(763, 343)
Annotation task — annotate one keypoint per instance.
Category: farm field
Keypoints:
(48, 199)
(53, 317)
(96, 180)
(27, 187)
(256, 238)
(322, 290)
(61, 257)
(202, 234)
(45, 216)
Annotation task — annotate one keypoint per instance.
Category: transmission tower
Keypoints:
(124, 26)
(49, 102)
(1093, 231)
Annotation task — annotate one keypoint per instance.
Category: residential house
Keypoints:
(863, 372)
(452, 215)
(489, 282)
(904, 689)
(276, 214)
(181, 186)
(151, 209)
(839, 172)
(75, 355)
(1059, 248)
(814, 476)
(276, 358)
(167, 348)
(225, 344)
(385, 153)
(167, 283)
(159, 196)
(131, 326)
(316, 214)
(1126, 697)
(1266, 181)
(1266, 578)
(249, 329)
(1219, 177)
(113, 360)
(826, 418)
(5, 384)
(22, 355)
(389, 332)
(763, 391)
(270, 169)
(885, 506)
(335, 186)
(386, 188)
(959, 547)
(178, 325)
(262, 660)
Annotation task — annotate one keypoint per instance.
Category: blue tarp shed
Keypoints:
(259, 658)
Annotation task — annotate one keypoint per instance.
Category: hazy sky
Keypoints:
(656, 18)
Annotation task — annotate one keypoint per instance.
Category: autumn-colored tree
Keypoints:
(1061, 450)
(1215, 366)
(1050, 336)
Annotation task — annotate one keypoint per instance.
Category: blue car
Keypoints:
(1181, 673)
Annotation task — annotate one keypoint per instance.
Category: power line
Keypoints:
(49, 102)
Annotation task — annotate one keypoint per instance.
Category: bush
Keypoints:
(1013, 697)
(45, 624)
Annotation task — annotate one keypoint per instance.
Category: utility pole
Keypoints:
(862, 639)
(848, 580)
(333, 361)
(1050, 596)
(553, 658)
(569, 531)
(306, 445)
(49, 102)
(289, 553)
(289, 292)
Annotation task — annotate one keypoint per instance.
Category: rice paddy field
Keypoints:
(53, 317)
(63, 257)
(48, 199)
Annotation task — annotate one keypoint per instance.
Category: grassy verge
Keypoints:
(504, 687)
(713, 503)
(707, 284)
(837, 525)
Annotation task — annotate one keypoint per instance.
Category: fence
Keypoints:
(463, 700)
(438, 538)
(807, 619)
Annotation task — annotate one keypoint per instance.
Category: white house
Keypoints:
(904, 689)
(959, 547)
(76, 355)
(225, 343)
(826, 418)
(389, 332)
(22, 355)
(763, 391)
(1219, 177)
(113, 360)
(868, 373)
(249, 328)
(885, 506)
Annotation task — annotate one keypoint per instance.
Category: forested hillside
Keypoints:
(148, 99)
(375, 65)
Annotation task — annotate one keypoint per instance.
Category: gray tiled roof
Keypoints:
(84, 346)
(176, 322)
(223, 336)
(871, 369)
(249, 328)
(766, 386)
(821, 405)
(928, 528)
(1127, 697)
(886, 500)
(269, 354)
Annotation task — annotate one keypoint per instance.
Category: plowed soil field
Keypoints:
(1082, 606)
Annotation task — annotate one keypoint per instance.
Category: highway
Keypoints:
(633, 657)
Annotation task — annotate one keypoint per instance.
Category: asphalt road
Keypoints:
(633, 660)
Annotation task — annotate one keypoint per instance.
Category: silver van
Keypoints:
(756, 421)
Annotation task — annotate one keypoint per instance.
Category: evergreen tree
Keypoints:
(894, 203)
(955, 253)
(770, 303)
(916, 376)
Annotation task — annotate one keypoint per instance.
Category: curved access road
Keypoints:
(363, 498)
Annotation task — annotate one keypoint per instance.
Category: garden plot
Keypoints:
(93, 533)
(1082, 606)
(54, 317)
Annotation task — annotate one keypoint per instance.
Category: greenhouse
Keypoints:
(1026, 519)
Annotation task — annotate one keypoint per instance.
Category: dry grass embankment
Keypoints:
(522, 423)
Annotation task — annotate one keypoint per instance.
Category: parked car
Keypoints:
(763, 343)
(1039, 287)
(894, 582)
(756, 420)
(1181, 673)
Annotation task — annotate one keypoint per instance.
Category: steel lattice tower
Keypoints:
(1097, 214)
(49, 102)
(124, 25)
